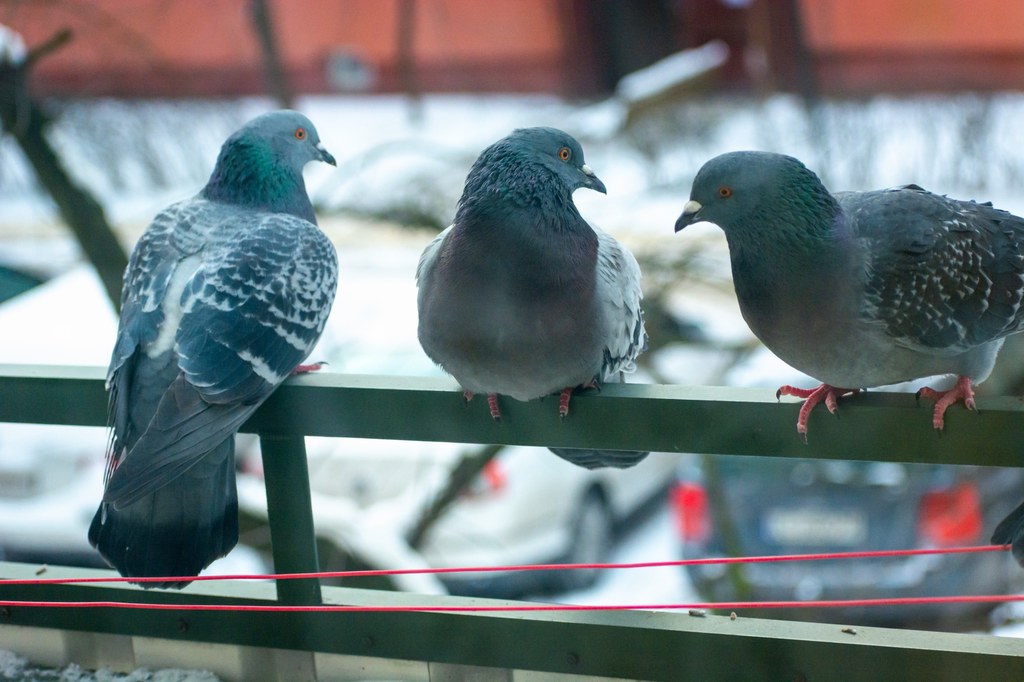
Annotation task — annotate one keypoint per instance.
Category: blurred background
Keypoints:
(111, 109)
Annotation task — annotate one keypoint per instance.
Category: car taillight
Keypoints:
(690, 501)
(951, 516)
(491, 480)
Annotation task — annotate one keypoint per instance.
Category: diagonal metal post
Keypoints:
(290, 512)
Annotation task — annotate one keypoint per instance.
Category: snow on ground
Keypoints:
(14, 668)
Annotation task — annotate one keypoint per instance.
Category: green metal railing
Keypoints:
(444, 645)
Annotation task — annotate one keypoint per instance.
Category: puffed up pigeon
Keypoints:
(520, 296)
(225, 294)
(863, 289)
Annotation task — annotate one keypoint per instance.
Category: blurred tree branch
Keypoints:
(277, 80)
(468, 468)
(406, 58)
(21, 117)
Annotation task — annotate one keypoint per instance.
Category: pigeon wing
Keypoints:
(619, 295)
(252, 311)
(943, 275)
(172, 237)
(429, 256)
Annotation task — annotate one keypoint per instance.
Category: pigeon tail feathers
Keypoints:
(178, 530)
(1010, 531)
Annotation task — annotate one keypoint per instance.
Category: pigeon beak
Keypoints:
(325, 155)
(592, 181)
(690, 211)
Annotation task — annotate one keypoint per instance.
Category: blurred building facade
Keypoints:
(208, 48)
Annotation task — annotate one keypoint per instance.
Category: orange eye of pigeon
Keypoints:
(564, 153)
(300, 133)
(725, 192)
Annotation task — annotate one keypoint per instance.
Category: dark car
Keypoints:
(753, 506)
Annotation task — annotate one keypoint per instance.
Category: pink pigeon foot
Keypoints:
(566, 394)
(492, 405)
(961, 392)
(306, 369)
(563, 402)
(813, 396)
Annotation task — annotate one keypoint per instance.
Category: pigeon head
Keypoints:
(528, 166)
(260, 165)
(742, 192)
(291, 136)
(557, 151)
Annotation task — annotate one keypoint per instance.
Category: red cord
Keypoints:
(833, 603)
(731, 605)
(821, 556)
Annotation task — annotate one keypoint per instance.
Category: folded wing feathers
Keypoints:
(251, 312)
(961, 274)
(183, 430)
(264, 301)
(618, 288)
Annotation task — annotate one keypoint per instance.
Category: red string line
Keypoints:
(819, 556)
(734, 605)
(471, 608)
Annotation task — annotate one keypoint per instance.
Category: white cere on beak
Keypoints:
(587, 170)
(691, 207)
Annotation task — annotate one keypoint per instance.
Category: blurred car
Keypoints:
(752, 506)
(51, 477)
(46, 472)
(525, 506)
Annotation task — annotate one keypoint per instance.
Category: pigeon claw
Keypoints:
(563, 402)
(492, 405)
(306, 369)
(813, 396)
(961, 392)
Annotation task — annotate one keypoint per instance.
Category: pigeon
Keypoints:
(225, 295)
(520, 296)
(864, 289)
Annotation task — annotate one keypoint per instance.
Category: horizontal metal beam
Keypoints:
(878, 426)
(872, 426)
(631, 644)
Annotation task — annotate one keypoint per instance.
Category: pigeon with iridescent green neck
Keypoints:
(864, 289)
(225, 295)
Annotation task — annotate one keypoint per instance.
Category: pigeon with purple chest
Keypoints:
(864, 289)
(225, 295)
(521, 297)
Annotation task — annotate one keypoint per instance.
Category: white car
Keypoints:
(526, 506)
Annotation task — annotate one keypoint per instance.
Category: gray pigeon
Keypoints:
(863, 289)
(225, 294)
(520, 296)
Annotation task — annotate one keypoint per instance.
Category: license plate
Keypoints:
(815, 527)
